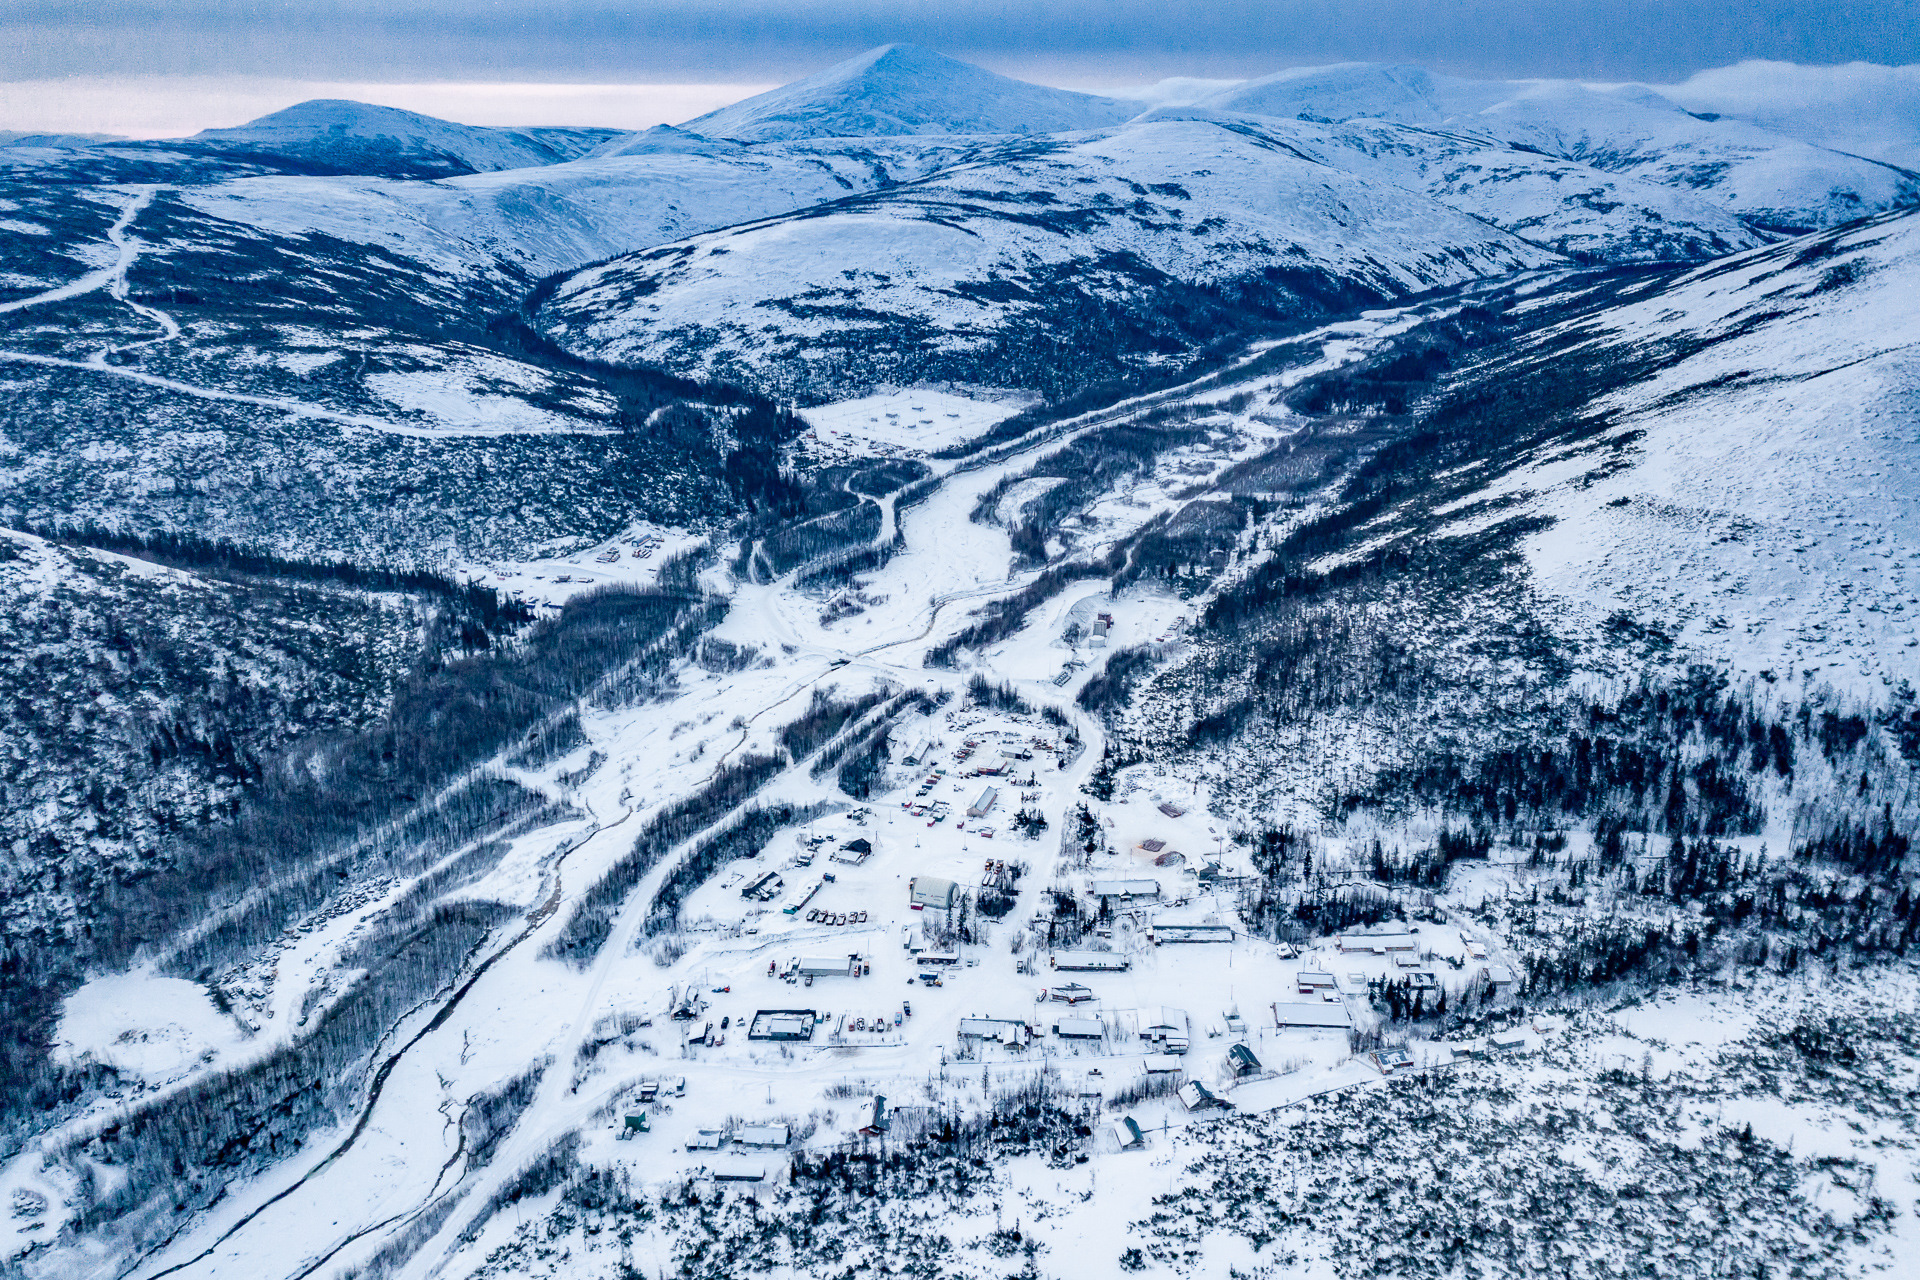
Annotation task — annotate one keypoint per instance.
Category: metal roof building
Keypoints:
(782, 1024)
(761, 1135)
(983, 803)
(1126, 888)
(1080, 1029)
(932, 891)
(1312, 1013)
(1090, 961)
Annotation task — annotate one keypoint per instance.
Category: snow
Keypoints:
(917, 421)
(145, 1025)
(348, 133)
(903, 89)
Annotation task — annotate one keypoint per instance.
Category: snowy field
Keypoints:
(909, 422)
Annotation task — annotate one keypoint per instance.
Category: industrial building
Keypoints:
(932, 891)
(1090, 961)
(782, 1024)
(983, 803)
(1126, 890)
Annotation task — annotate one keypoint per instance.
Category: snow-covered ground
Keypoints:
(909, 422)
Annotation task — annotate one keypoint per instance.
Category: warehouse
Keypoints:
(984, 802)
(931, 891)
(1089, 961)
(827, 966)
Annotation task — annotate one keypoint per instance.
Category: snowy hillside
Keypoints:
(335, 136)
(990, 271)
(903, 89)
(1767, 180)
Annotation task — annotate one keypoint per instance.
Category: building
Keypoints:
(1128, 1134)
(1165, 1027)
(853, 852)
(1241, 1062)
(1126, 890)
(1323, 1014)
(707, 1140)
(984, 802)
(765, 889)
(1171, 809)
(1508, 1041)
(932, 891)
(1080, 1029)
(1072, 993)
(1379, 944)
(1179, 933)
(1392, 1060)
(877, 1122)
(1195, 1096)
(1164, 1064)
(765, 1137)
(1011, 1032)
(1311, 981)
(933, 958)
(782, 1024)
(1090, 961)
(826, 967)
(1502, 979)
(738, 1170)
(1152, 846)
(1425, 980)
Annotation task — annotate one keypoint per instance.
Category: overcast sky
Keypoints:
(81, 63)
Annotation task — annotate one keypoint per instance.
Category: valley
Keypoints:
(933, 676)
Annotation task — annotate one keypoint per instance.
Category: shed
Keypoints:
(1311, 1013)
(983, 802)
(1241, 1062)
(1128, 1134)
(1090, 961)
(932, 891)
(826, 967)
(1172, 810)
(1080, 1029)
(762, 1136)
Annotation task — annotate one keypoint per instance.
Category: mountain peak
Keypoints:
(902, 89)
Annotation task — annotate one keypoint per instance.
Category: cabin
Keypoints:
(1164, 1064)
(1127, 1133)
(1195, 1096)
(1508, 1041)
(1319, 1014)
(1242, 1062)
(707, 1140)
(1089, 961)
(782, 1024)
(931, 891)
(1080, 1029)
(877, 1122)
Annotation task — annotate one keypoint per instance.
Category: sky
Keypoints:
(162, 67)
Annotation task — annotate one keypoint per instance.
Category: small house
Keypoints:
(1312, 981)
(1164, 1064)
(739, 1170)
(1127, 1132)
(877, 1122)
(1508, 1041)
(1080, 1029)
(1241, 1061)
(707, 1140)
(765, 1137)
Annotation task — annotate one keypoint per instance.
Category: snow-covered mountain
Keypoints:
(336, 136)
(904, 89)
(993, 271)
(1765, 179)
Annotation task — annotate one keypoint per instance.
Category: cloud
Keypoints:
(1860, 107)
(176, 106)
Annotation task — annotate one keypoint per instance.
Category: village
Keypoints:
(884, 962)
